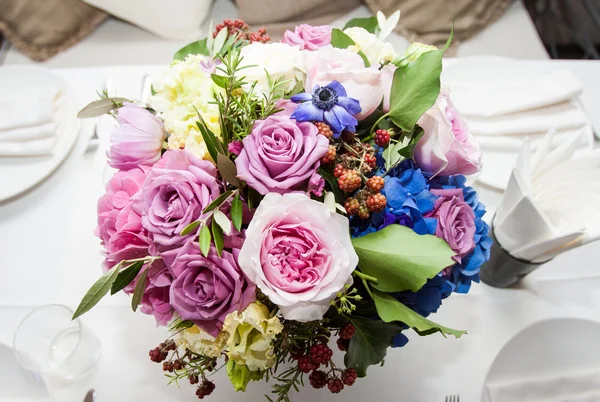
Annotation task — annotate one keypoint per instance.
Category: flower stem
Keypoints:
(375, 127)
(365, 277)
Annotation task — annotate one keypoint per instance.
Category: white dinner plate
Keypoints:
(19, 174)
(547, 349)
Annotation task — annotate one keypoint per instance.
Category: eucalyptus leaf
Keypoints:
(369, 344)
(228, 170)
(100, 107)
(140, 287)
(98, 290)
(415, 88)
(401, 259)
(126, 276)
(370, 24)
(219, 41)
(204, 239)
(298, 88)
(390, 310)
(218, 201)
(237, 212)
(217, 234)
(223, 221)
(189, 229)
(197, 47)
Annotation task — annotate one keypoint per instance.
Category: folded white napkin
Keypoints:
(577, 387)
(496, 99)
(551, 201)
(25, 110)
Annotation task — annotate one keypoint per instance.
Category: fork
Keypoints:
(94, 140)
(453, 398)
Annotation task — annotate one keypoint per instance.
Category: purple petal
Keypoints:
(330, 118)
(303, 97)
(307, 112)
(350, 104)
(345, 118)
(338, 88)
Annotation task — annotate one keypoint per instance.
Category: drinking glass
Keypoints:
(47, 341)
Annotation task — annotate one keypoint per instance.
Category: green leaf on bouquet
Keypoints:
(342, 41)
(197, 47)
(240, 375)
(390, 310)
(99, 107)
(180, 324)
(228, 170)
(204, 239)
(415, 88)
(409, 150)
(213, 144)
(126, 276)
(331, 180)
(97, 291)
(189, 229)
(218, 201)
(223, 221)
(401, 259)
(298, 88)
(220, 80)
(369, 344)
(140, 287)
(391, 155)
(237, 212)
(370, 24)
(217, 234)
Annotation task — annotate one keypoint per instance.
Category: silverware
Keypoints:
(94, 140)
(90, 396)
(453, 398)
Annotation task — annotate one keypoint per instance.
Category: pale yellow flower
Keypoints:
(183, 91)
(251, 335)
(200, 342)
(375, 49)
(414, 51)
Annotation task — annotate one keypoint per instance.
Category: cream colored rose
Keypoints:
(251, 334)
(376, 50)
(200, 342)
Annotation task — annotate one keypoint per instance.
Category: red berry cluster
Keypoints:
(324, 129)
(242, 30)
(345, 334)
(329, 156)
(205, 389)
(161, 352)
(382, 138)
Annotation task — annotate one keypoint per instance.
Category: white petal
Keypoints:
(389, 25)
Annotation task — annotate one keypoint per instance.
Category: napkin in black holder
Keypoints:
(502, 269)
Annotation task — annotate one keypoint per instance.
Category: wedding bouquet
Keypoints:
(275, 200)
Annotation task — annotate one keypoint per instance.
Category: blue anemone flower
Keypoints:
(329, 104)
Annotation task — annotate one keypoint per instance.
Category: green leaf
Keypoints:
(209, 139)
(240, 375)
(100, 107)
(138, 293)
(415, 87)
(228, 170)
(365, 59)
(409, 150)
(126, 276)
(390, 310)
(223, 221)
(197, 47)
(370, 24)
(180, 324)
(401, 259)
(332, 181)
(391, 155)
(237, 212)
(340, 40)
(97, 291)
(369, 344)
(217, 234)
(189, 228)
(254, 198)
(219, 80)
(204, 239)
(218, 201)
(298, 88)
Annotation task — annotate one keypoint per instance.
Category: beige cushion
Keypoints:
(42, 28)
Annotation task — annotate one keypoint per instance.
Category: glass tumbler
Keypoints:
(47, 341)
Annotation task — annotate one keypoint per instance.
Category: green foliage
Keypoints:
(391, 155)
(197, 47)
(415, 88)
(342, 41)
(98, 290)
(390, 310)
(218, 201)
(237, 212)
(228, 170)
(370, 24)
(190, 228)
(223, 221)
(102, 106)
(369, 344)
(240, 375)
(401, 259)
(218, 238)
(204, 239)
(126, 276)
(140, 287)
(333, 186)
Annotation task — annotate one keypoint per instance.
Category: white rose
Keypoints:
(376, 50)
(280, 60)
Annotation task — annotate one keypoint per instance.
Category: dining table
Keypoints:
(50, 255)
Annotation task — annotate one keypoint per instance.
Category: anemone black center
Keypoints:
(324, 98)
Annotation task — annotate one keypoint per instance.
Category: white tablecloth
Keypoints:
(48, 254)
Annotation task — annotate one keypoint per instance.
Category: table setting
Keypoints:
(530, 337)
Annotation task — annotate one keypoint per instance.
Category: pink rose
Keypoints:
(387, 76)
(447, 147)
(287, 107)
(308, 37)
(299, 254)
(281, 155)
(456, 221)
(331, 64)
(137, 140)
(235, 147)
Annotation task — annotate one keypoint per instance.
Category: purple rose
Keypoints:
(156, 298)
(281, 155)
(456, 221)
(308, 37)
(235, 147)
(175, 192)
(206, 289)
(137, 140)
